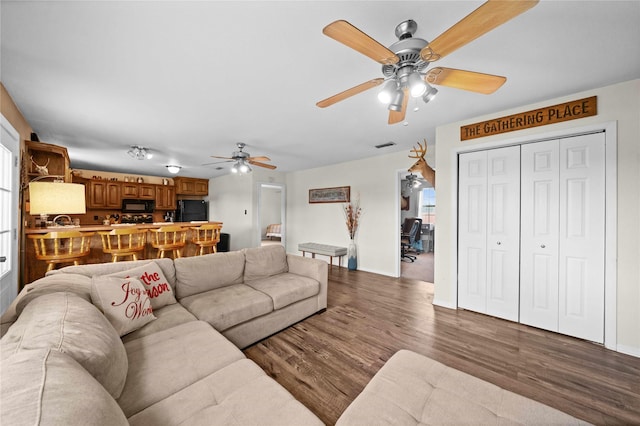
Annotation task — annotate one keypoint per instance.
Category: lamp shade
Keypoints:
(56, 198)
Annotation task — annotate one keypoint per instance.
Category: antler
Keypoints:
(42, 170)
(420, 152)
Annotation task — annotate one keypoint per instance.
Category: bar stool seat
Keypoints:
(123, 242)
(206, 236)
(169, 238)
(62, 247)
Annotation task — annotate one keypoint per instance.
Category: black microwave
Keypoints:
(138, 206)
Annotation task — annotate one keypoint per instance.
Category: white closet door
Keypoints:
(503, 232)
(539, 235)
(472, 231)
(582, 220)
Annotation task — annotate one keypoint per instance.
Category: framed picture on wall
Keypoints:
(339, 194)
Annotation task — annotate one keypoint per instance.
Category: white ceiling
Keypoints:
(190, 79)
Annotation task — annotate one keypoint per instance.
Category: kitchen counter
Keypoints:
(35, 269)
(95, 228)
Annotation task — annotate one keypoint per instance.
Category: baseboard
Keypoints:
(629, 350)
(438, 302)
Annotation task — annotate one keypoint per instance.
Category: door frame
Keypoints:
(15, 218)
(283, 211)
(611, 210)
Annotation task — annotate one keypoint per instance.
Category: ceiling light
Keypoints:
(417, 85)
(139, 152)
(386, 93)
(396, 101)
(173, 169)
(430, 92)
(244, 168)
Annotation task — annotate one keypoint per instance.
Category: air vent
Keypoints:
(385, 145)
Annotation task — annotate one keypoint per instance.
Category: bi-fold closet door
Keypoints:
(488, 231)
(563, 236)
(531, 234)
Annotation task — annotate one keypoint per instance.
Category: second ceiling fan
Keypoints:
(405, 63)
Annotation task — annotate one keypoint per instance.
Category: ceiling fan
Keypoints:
(243, 160)
(405, 63)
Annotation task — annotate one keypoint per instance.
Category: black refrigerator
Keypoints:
(190, 210)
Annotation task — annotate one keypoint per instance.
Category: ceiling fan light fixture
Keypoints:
(139, 152)
(429, 93)
(396, 100)
(173, 168)
(244, 167)
(385, 95)
(417, 86)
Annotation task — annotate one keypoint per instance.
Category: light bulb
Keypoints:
(244, 168)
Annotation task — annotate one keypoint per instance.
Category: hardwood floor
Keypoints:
(326, 360)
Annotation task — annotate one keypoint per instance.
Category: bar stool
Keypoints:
(169, 238)
(62, 247)
(206, 236)
(123, 242)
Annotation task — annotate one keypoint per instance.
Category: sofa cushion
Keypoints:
(67, 323)
(239, 394)
(124, 301)
(285, 289)
(78, 284)
(47, 387)
(198, 274)
(166, 317)
(154, 281)
(227, 306)
(411, 389)
(262, 262)
(165, 362)
(90, 270)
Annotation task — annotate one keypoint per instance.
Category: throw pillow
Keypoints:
(154, 281)
(123, 301)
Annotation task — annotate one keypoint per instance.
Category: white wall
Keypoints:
(231, 195)
(617, 103)
(375, 181)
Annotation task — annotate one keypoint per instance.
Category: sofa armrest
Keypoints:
(312, 268)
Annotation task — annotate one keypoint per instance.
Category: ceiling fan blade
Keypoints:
(350, 92)
(260, 158)
(490, 15)
(216, 162)
(398, 116)
(465, 80)
(352, 37)
(224, 158)
(266, 166)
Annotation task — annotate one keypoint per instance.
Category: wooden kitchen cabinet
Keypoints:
(191, 186)
(143, 191)
(54, 158)
(165, 197)
(129, 190)
(102, 194)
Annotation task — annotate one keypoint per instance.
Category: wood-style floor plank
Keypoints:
(326, 360)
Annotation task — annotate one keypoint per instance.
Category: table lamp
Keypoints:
(57, 198)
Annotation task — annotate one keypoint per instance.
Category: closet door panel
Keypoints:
(539, 235)
(581, 256)
(503, 232)
(472, 231)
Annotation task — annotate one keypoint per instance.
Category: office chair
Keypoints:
(409, 239)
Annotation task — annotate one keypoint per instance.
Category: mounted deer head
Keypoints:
(421, 165)
(42, 170)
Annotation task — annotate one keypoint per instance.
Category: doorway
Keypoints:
(271, 214)
(9, 187)
(418, 200)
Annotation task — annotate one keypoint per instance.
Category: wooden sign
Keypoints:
(538, 117)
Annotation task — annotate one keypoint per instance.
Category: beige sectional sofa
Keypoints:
(63, 360)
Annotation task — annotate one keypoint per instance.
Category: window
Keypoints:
(428, 206)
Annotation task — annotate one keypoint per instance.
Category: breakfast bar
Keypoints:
(35, 269)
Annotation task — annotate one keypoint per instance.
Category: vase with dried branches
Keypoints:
(352, 213)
